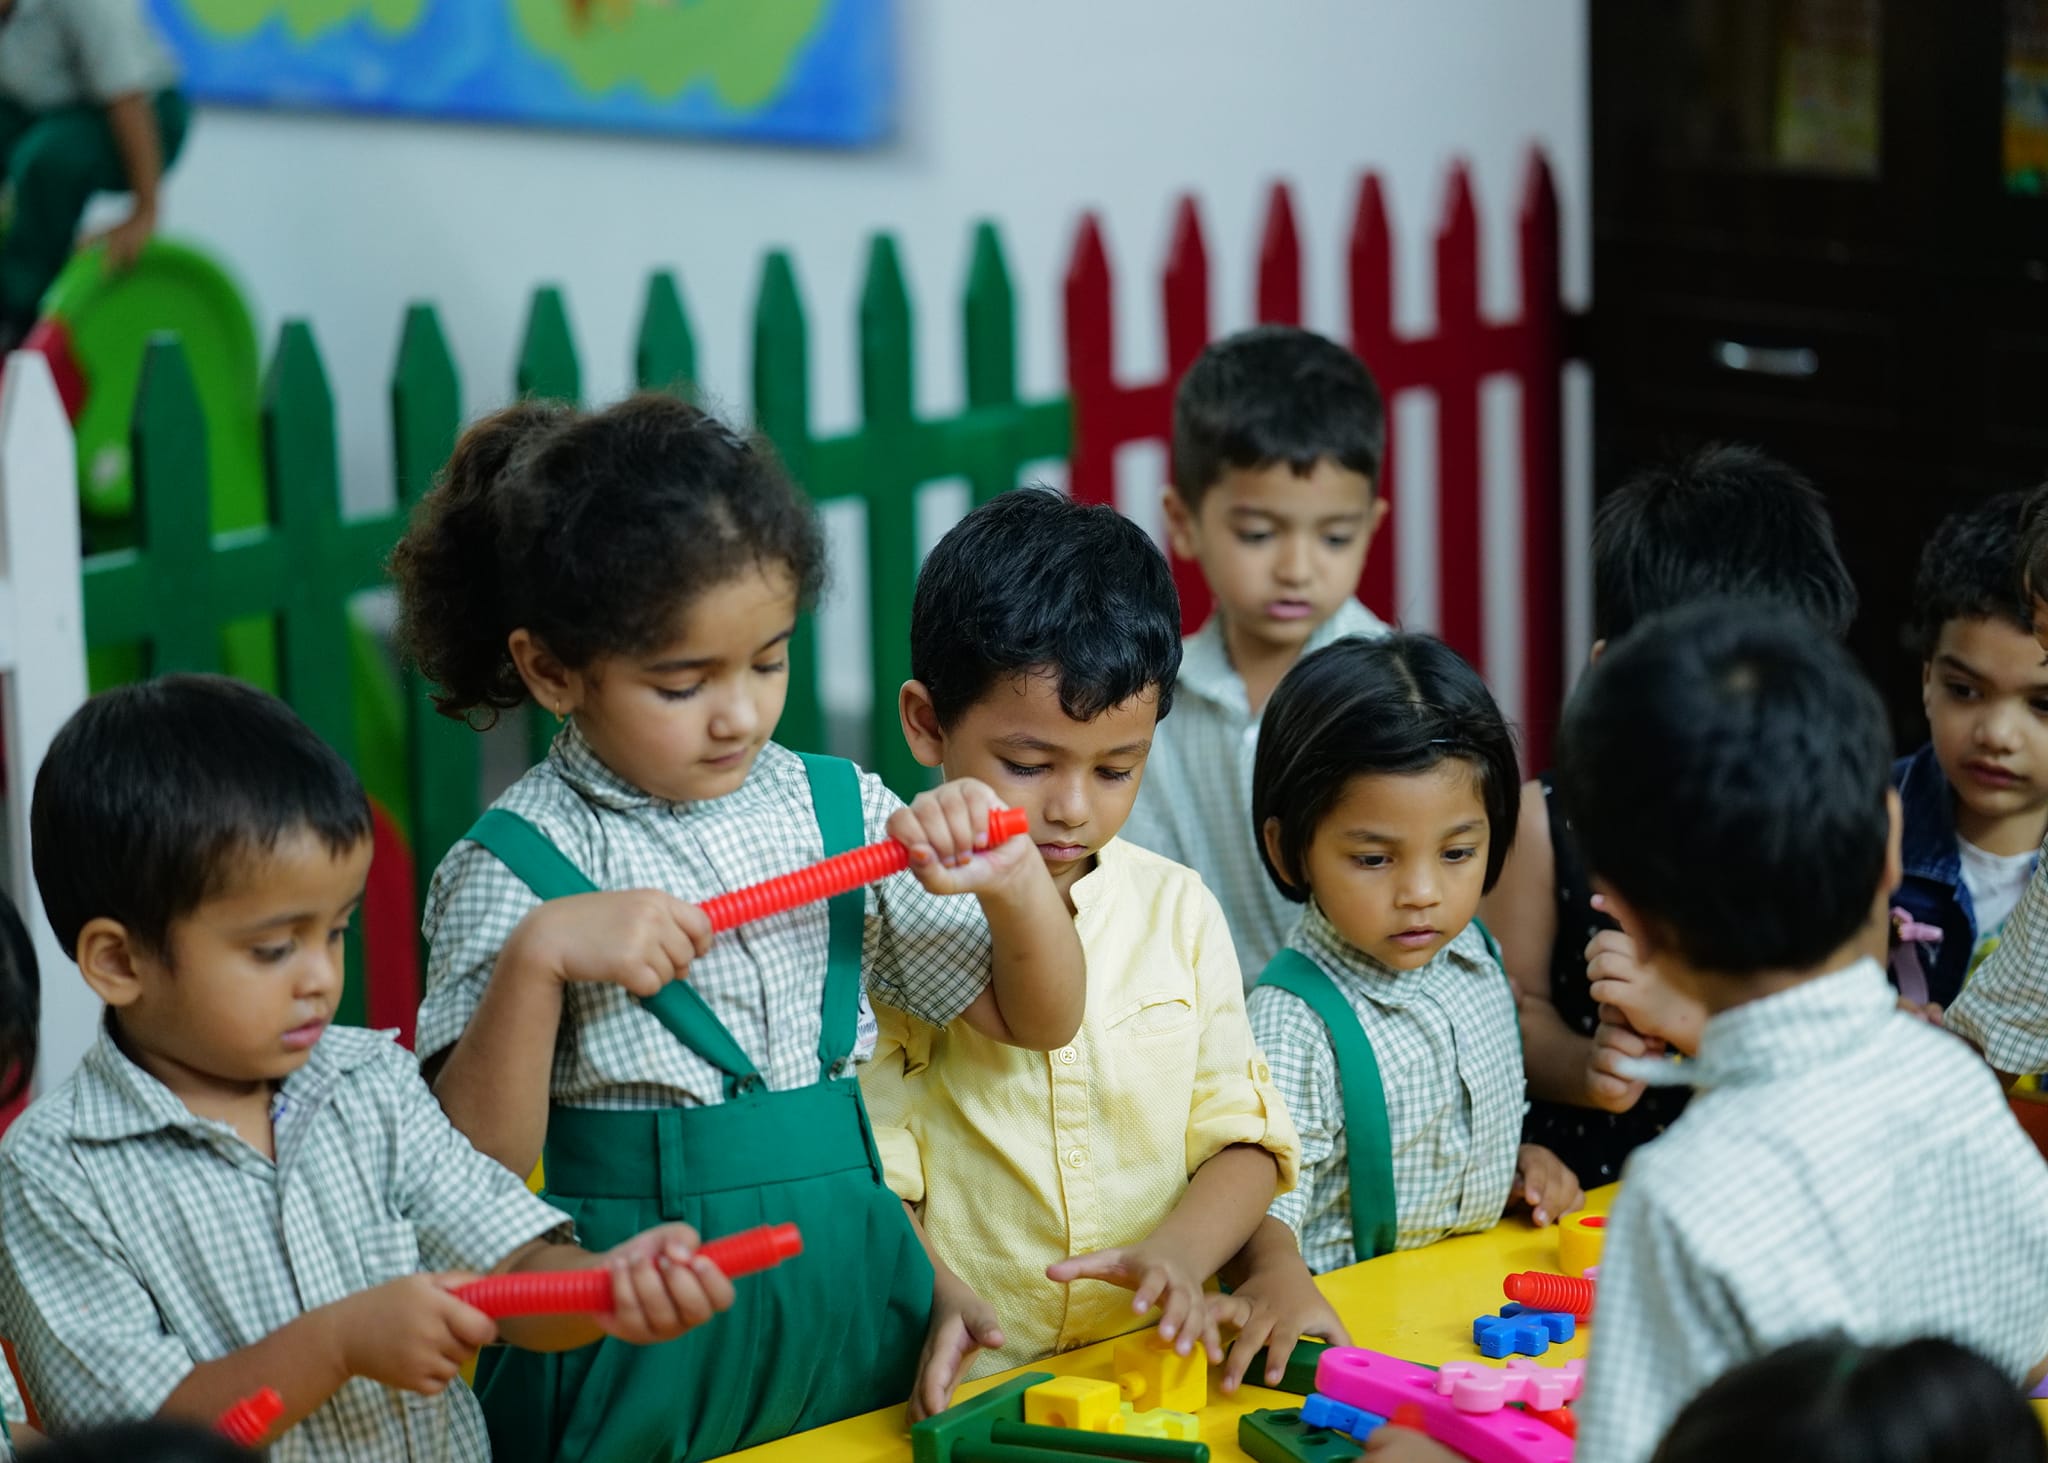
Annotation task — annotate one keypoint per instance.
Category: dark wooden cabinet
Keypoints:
(1819, 226)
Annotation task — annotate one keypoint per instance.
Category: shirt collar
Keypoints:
(1796, 1030)
(1927, 844)
(116, 1099)
(1393, 989)
(578, 765)
(1205, 667)
(1102, 881)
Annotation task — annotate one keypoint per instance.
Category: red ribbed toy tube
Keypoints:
(584, 1292)
(248, 1420)
(1544, 1292)
(836, 875)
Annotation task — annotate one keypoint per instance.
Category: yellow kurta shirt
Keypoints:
(1017, 1159)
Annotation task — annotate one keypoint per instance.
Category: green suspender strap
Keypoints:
(835, 796)
(1367, 1138)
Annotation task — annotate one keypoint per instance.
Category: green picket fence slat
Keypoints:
(782, 413)
(665, 351)
(549, 368)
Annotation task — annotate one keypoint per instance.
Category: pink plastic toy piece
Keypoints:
(1541, 1291)
(1381, 1384)
(585, 1292)
(1474, 1387)
(248, 1420)
(836, 875)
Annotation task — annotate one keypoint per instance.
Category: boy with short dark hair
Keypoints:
(1044, 642)
(1975, 797)
(1723, 520)
(1278, 435)
(1727, 775)
(230, 1194)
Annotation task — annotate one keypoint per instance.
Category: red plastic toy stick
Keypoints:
(1540, 1291)
(1411, 1416)
(1561, 1418)
(586, 1292)
(249, 1419)
(836, 875)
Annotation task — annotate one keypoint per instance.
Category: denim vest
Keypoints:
(1933, 891)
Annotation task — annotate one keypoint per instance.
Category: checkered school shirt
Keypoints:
(1196, 803)
(1844, 1167)
(2003, 1011)
(1450, 1060)
(143, 1239)
(924, 953)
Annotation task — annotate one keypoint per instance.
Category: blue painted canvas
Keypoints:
(800, 71)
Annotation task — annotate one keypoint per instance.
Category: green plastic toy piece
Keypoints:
(1300, 1375)
(1282, 1437)
(934, 1439)
(1073, 1442)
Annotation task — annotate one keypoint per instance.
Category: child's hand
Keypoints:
(1274, 1308)
(640, 939)
(411, 1333)
(946, 827)
(962, 1324)
(1608, 1086)
(1544, 1184)
(1405, 1445)
(1640, 994)
(660, 1289)
(1930, 1011)
(1159, 1278)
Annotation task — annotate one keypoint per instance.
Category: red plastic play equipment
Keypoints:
(249, 1419)
(579, 1292)
(1540, 1291)
(836, 875)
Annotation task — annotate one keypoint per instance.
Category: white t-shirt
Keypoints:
(1995, 882)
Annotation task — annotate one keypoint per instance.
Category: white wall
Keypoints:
(1025, 112)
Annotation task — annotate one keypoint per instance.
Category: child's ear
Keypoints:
(1599, 649)
(1927, 688)
(107, 958)
(921, 727)
(1269, 832)
(548, 681)
(1375, 516)
(1181, 534)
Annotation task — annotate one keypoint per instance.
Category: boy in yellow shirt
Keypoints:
(1065, 1194)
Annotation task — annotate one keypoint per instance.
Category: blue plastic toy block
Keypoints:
(1518, 1331)
(1354, 1422)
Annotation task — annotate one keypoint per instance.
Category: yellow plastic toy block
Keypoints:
(1580, 1238)
(1076, 1402)
(1160, 1422)
(1152, 1374)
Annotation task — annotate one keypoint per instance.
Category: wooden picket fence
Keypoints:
(181, 583)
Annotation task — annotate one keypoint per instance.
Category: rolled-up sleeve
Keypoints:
(2003, 1011)
(885, 1086)
(1235, 1100)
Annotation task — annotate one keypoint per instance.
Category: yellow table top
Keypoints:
(1417, 1304)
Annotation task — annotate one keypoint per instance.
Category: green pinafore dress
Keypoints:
(829, 1334)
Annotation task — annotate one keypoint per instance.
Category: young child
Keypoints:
(1044, 640)
(2004, 1010)
(1725, 520)
(640, 572)
(1385, 798)
(89, 102)
(1726, 774)
(1975, 798)
(1828, 1400)
(229, 1193)
(1277, 439)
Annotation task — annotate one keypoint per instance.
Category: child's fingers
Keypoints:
(628, 1318)
(908, 829)
(1100, 1265)
(1151, 1286)
(656, 1304)
(1176, 1321)
(695, 927)
(716, 1284)
(1252, 1333)
(1205, 1320)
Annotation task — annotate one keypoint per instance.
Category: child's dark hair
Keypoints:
(1032, 582)
(1970, 570)
(21, 1003)
(1828, 1400)
(590, 530)
(1401, 704)
(144, 1442)
(153, 796)
(1275, 393)
(1724, 521)
(2034, 546)
(1726, 769)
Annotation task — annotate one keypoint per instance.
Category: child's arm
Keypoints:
(133, 124)
(1544, 1186)
(962, 1324)
(494, 1082)
(1036, 990)
(1222, 1206)
(1273, 1303)
(1640, 995)
(660, 1289)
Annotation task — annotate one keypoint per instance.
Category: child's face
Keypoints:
(1281, 552)
(251, 977)
(1399, 862)
(686, 721)
(1077, 779)
(1986, 693)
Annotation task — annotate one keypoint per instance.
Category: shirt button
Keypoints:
(1075, 1158)
(1068, 1056)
